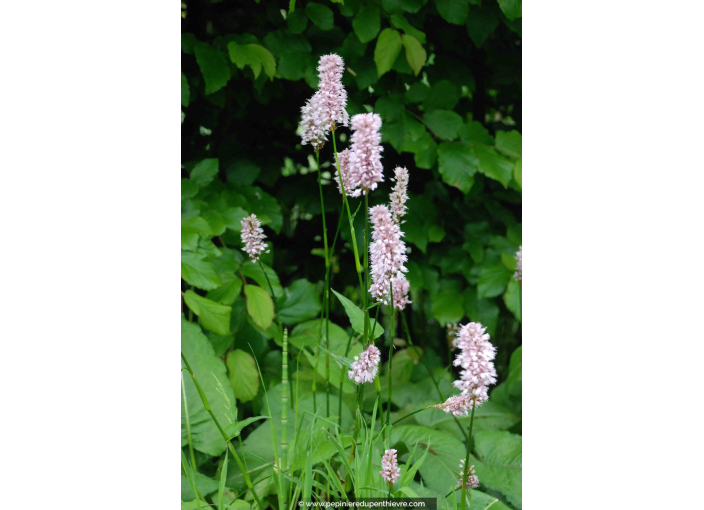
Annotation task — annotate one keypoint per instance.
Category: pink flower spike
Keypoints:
(365, 161)
(458, 405)
(476, 359)
(399, 196)
(332, 93)
(313, 123)
(472, 480)
(253, 237)
(344, 159)
(365, 366)
(389, 467)
(387, 252)
(400, 287)
(518, 275)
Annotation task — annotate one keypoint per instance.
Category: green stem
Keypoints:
(273, 297)
(327, 290)
(403, 418)
(188, 425)
(284, 414)
(466, 460)
(342, 380)
(245, 474)
(391, 357)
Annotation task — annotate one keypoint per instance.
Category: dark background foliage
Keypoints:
(454, 120)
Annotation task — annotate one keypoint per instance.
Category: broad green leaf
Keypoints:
(457, 164)
(244, 377)
(474, 132)
(444, 123)
(259, 306)
(492, 280)
(265, 58)
(509, 143)
(205, 485)
(253, 55)
(321, 16)
(297, 22)
(443, 95)
(388, 46)
(228, 291)
(302, 303)
(447, 307)
(417, 93)
(185, 90)
(485, 311)
(415, 54)
(513, 298)
(366, 23)
(453, 11)
(213, 316)
(357, 317)
(212, 377)
(189, 189)
(499, 463)
(213, 65)
(204, 172)
(254, 271)
(518, 173)
(189, 239)
(425, 151)
(198, 271)
(480, 25)
(197, 224)
(309, 334)
(493, 165)
(216, 222)
(511, 8)
(489, 416)
(399, 21)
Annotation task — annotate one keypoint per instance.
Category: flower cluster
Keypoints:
(387, 252)
(399, 195)
(518, 275)
(365, 366)
(389, 466)
(400, 286)
(472, 480)
(343, 158)
(326, 108)
(365, 168)
(475, 358)
(253, 237)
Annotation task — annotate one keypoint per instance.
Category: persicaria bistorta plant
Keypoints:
(253, 237)
(387, 252)
(472, 479)
(389, 467)
(365, 169)
(518, 275)
(365, 366)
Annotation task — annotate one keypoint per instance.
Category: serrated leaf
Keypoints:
(213, 65)
(443, 95)
(499, 463)
(265, 58)
(457, 164)
(259, 306)
(198, 271)
(447, 307)
(321, 16)
(244, 376)
(509, 143)
(302, 303)
(213, 316)
(356, 316)
(512, 8)
(228, 291)
(480, 25)
(415, 54)
(513, 298)
(388, 46)
(399, 21)
(492, 280)
(453, 11)
(367, 23)
(493, 165)
(481, 310)
(444, 123)
(204, 172)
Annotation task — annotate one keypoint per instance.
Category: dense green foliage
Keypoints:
(445, 76)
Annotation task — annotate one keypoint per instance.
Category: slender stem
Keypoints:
(391, 357)
(430, 372)
(188, 425)
(342, 380)
(284, 414)
(403, 418)
(466, 460)
(367, 339)
(245, 474)
(326, 296)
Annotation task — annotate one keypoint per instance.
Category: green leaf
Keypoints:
(388, 46)
(492, 280)
(212, 377)
(444, 123)
(265, 58)
(399, 21)
(198, 271)
(189, 189)
(185, 90)
(321, 16)
(244, 376)
(499, 463)
(213, 65)
(297, 22)
(475, 132)
(259, 306)
(442, 96)
(204, 484)
(223, 481)
(254, 271)
(518, 173)
(415, 54)
(480, 25)
(234, 429)
(253, 55)
(511, 8)
(447, 307)
(485, 311)
(228, 291)
(213, 316)
(493, 165)
(457, 164)
(453, 11)
(357, 317)
(302, 303)
(509, 143)
(513, 298)
(204, 172)
(367, 23)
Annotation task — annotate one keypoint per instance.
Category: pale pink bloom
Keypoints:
(399, 195)
(458, 405)
(387, 252)
(518, 275)
(365, 366)
(472, 480)
(400, 287)
(475, 358)
(389, 467)
(313, 129)
(344, 159)
(332, 93)
(253, 237)
(365, 159)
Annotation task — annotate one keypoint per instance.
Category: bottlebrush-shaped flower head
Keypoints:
(399, 195)
(332, 92)
(313, 129)
(389, 467)
(476, 359)
(365, 158)
(400, 287)
(387, 252)
(458, 405)
(253, 237)
(365, 366)
(472, 480)
(518, 275)
(343, 159)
